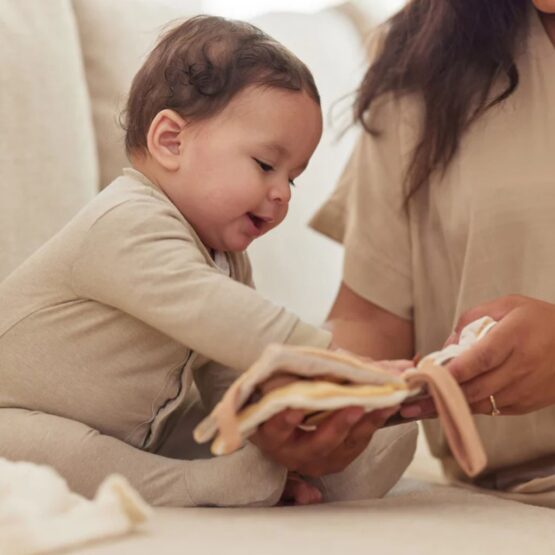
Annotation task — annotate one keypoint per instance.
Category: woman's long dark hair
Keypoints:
(450, 53)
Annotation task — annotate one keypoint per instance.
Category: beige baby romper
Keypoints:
(104, 330)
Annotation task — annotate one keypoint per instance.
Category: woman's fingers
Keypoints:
(335, 443)
(496, 309)
(281, 439)
(476, 392)
(490, 352)
(361, 433)
(360, 436)
(423, 408)
(490, 383)
(330, 433)
(278, 430)
(506, 402)
(351, 445)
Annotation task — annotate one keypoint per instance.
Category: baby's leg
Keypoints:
(376, 470)
(210, 382)
(84, 457)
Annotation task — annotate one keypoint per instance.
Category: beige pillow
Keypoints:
(115, 39)
(47, 152)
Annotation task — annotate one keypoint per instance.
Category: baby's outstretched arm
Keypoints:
(84, 457)
(157, 274)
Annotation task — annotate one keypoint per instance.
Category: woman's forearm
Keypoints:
(365, 328)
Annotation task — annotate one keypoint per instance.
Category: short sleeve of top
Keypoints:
(367, 213)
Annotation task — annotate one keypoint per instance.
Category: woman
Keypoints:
(446, 214)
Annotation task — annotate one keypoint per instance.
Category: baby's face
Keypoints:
(236, 168)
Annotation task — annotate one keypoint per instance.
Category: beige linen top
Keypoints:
(484, 229)
(106, 323)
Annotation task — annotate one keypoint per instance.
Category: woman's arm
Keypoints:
(363, 327)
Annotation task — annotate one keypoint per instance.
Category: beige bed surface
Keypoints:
(415, 518)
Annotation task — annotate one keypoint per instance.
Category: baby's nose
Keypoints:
(281, 192)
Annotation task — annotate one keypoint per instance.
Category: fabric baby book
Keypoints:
(329, 380)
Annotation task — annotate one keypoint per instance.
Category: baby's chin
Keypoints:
(238, 245)
(234, 244)
(236, 241)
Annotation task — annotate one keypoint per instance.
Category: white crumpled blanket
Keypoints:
(40, 514)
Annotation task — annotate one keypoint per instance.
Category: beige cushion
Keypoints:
(115, 39)
(47, 153)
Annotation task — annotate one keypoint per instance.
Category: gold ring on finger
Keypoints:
(494, 410)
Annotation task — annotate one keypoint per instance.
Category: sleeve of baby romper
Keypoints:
(140, 258)
(85, 457)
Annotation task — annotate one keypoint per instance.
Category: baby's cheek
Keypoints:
(282, 214)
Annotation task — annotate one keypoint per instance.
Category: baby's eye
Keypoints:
(292, 183)
(265, 167)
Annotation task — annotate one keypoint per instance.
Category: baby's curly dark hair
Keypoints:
(199, 66)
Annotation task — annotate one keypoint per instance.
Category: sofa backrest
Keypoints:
(115, 39)
(48, 165)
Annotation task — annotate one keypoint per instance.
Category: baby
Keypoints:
(145, 298)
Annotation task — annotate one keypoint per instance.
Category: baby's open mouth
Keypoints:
(256, 220)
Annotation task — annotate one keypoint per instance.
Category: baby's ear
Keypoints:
(164, 139)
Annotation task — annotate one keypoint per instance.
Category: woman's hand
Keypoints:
(337, 441)
(514, 362)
